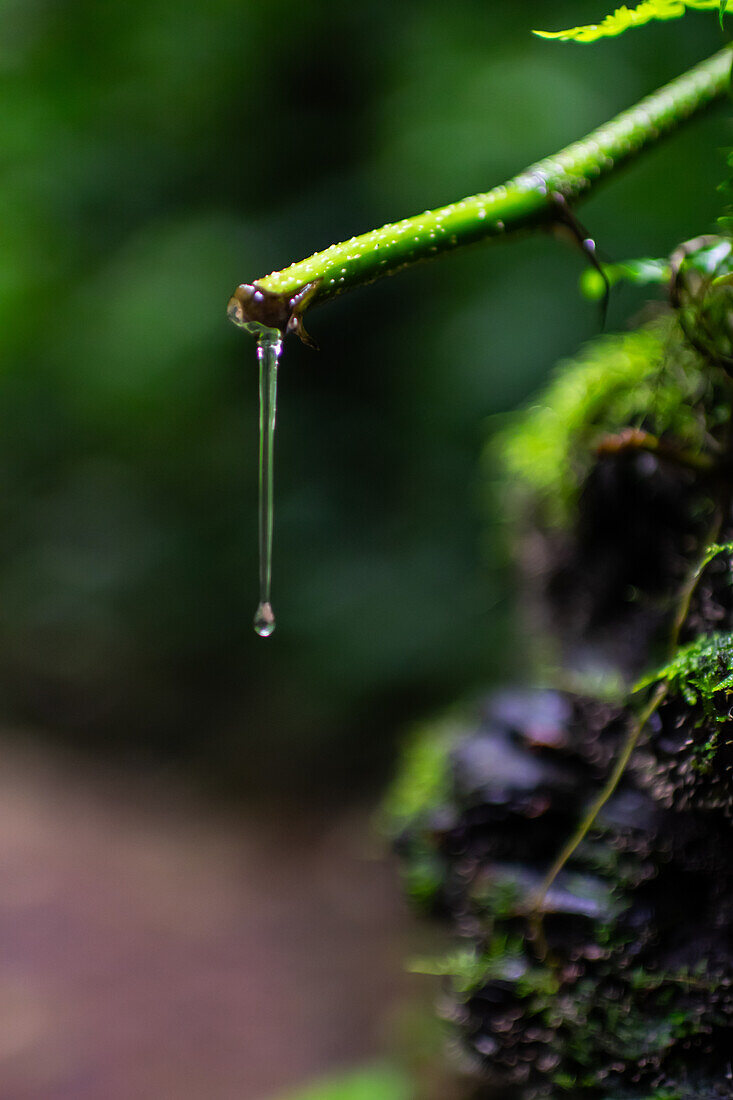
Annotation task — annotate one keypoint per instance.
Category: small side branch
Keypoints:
(536, 913)
(529, 201)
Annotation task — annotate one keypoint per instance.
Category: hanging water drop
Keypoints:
(267, 316)
(269, 346)
(264, 620)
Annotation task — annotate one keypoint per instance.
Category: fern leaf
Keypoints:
(624, 18)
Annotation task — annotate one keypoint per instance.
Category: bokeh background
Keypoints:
(182, 802)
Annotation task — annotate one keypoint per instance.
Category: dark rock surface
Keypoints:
(633, 993)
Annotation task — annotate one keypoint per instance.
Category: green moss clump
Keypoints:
(700, 672)
(421, 788)
(422, 782)
(689, 759)
(503, 960)
(650, 378)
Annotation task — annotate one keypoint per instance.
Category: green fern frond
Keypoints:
(624, 18)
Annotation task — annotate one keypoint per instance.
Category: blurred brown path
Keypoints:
(150, 949)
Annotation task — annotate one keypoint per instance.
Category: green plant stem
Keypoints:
(536, 913)
(528, 201)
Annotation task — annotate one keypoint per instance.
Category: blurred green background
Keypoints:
(154, 155)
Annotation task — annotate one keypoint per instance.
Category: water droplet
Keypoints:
(269, 347)
(264, 620)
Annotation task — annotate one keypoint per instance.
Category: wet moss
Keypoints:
(606, 483)
(416, 809)
(650, 378)
(422, 781)
(688, 758)
(702, 673)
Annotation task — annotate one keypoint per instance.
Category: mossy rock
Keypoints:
(628, 992)
(603, 529)
(632, 993)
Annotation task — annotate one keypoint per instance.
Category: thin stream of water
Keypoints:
(269, 347)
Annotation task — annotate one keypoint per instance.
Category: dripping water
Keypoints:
(269, 346)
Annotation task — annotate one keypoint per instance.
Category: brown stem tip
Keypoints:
(252, 305)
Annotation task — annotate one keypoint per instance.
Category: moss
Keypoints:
(649, 378)
(469, 970)
(386, 1081)
(599, 1028)
(422, 783)
(688, 759)
(421, 789)
(499, 899)
(701, 672)
(423, 876)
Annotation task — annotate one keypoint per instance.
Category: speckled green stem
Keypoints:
(525, 202)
